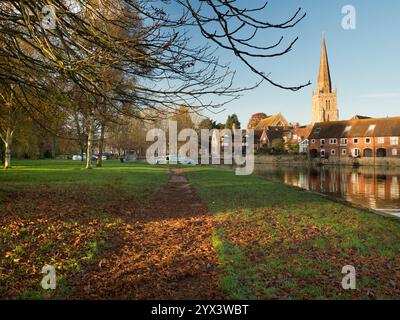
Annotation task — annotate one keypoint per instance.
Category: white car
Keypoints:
(187, 161)
(78, 157)
(176, 159)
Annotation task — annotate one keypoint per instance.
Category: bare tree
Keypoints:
(154, 62)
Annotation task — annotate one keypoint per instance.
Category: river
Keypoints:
(372, 187)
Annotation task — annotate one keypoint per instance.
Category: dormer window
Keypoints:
(317, 130)
(347, 129)
(371, 128)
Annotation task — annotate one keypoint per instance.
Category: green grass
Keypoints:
(138, 178)
(276, 241)
(58, 213)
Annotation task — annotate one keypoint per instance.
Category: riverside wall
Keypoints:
(302, 160)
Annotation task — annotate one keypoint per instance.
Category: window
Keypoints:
(343, 141)
(322, 153)
(394, 152)
(356, 152)
(322, 141)
(367, 140)
(381, 140)
(333, 141)
(328, 105)
(317, 130)
(312, 140)
(394, 141)
(333, 152)
(344, 152)
(355, 140)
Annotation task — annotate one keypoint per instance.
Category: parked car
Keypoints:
(130, 157)
(187, 161)
(78, 157)
(176, 159)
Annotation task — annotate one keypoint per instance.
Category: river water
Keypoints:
(371, 187)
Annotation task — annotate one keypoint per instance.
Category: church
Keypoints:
(324, 99)
(327, 135)
(358, 137)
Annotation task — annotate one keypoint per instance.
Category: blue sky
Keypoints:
(365, 63)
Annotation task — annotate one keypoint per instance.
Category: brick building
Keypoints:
(356, 138)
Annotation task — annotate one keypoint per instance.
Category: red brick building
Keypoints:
(356, 138)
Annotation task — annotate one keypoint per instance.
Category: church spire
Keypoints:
(324, 76)
(324, 100)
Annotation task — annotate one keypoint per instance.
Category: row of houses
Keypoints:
(357, 137)
(327, 136)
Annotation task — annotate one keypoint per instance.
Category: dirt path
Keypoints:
(163, 252)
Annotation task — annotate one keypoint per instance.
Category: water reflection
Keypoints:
(376, 188)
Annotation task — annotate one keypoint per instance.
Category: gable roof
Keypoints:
(271, 121)
(303, 131)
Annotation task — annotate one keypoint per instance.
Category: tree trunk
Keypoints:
(2, 152)
(101, 146)
(80, 136)
(7, 146)
(53, 147)
(89, 150)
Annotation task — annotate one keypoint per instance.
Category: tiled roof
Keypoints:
(378, 127)
(303, 132)
(271, 121)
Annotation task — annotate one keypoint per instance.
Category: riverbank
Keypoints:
(278, 242)
(303, 160)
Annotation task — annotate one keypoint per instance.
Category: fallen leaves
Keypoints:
(157, 248)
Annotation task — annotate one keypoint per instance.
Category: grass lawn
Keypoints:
(58, 213)
(278, 242)
(273, 241)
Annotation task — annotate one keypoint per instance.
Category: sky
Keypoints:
(364, 63)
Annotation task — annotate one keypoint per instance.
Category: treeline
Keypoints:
(76, 71)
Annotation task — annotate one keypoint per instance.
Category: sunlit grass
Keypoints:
(276, 241)
(135, 178)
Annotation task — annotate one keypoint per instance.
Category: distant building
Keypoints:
(299, 135)
(356, 138)
(255, 119)
(277, 120)
(270, 134)
(361, 136)
(324, 99)
(267, 128)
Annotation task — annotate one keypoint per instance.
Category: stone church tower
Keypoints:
(324, 101)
